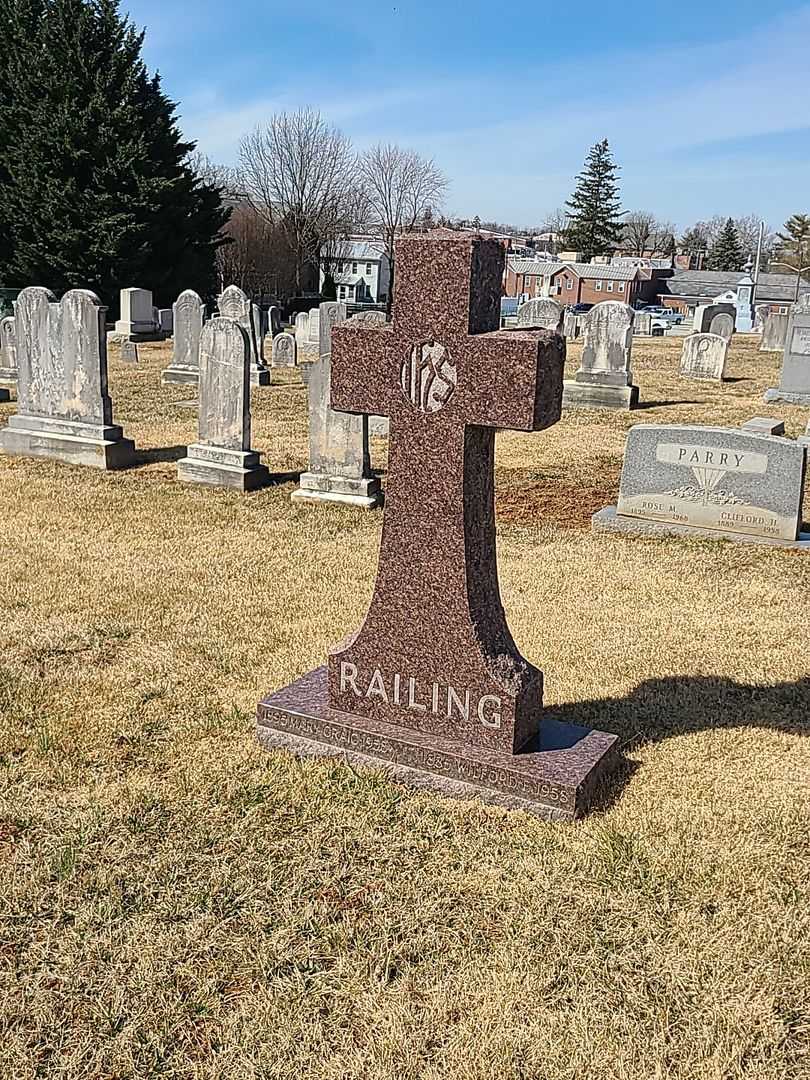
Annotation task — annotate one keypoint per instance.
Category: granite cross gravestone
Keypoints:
(222, 457)
(235, 304)
(774, 332)
(794, 384)
(542, 313)
(709, 481)
(8, 354)
(64, 410)
(339, 461)
(285, 351)
(432, 684)
(188, 313)
(704, 357)
(604, 379)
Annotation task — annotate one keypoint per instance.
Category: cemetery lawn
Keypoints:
(176, 902)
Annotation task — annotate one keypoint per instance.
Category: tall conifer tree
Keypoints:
(595, 226)
(726, 252)
(95, 186)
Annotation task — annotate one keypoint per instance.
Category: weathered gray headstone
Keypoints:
(339, 463)
(285, 351)
(8, 354)
(794, 385)
(137, 315)
(604, 379)
(188, 314)
(774, 333)
(222, 457)
(704, 314)
(166, 320)
(274, 320)
(643, 323)
(764, 425)
(129, 352)
(370, 318)
(302, 329)
(235, 304)
(542, 313)
(704, 357)
(709, 481)
(572, 326)
(64, 409)
(313, 329)
(722, 325)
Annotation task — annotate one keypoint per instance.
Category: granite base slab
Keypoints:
(8, 375)
(578, 395)
(180, 377)
(556, 778)
(790, 397)
(259, 377)
(96, 446)
(215, 466)
(610, 521)
(316, 487)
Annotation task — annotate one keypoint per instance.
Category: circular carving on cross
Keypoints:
(428, 376)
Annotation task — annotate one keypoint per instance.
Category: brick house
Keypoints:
(686, 289)
(582, 283)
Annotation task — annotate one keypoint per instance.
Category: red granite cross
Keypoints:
(434, 653)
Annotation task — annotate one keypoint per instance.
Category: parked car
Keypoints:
(579, 309)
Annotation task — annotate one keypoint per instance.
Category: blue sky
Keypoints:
(706, 104)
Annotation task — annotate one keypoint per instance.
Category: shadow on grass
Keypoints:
(661, 404)
(161, 453)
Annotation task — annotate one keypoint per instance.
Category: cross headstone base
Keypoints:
(98, 445)
(316, 487)
(582, 395)
(216, 466)
(554, 778)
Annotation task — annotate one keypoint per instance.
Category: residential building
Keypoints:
(582, 283)
(686, 289)
(361, 271)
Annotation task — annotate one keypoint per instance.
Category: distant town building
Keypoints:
(581, 283)
(360, 269)
(686, 289)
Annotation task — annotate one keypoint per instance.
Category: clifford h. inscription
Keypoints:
(433, 682)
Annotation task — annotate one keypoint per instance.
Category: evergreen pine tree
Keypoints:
(95, 186)
(726, 252)
(594, 226)
(695, 240)
(329, 290)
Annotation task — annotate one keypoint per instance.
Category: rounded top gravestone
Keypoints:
(704, 357)
(542, 313)
(723, 325)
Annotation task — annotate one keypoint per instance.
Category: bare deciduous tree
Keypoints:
(298, 173)
(400, 188)
(257, 255)
(644, 232)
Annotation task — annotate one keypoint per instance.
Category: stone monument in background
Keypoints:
(432, 684)
(235, 304)
(64, 409)
(339, 462)
(8, 355)
(222, 456)
(542, 313)
(137, 321)
(704, 357)
(604, 379)
(188, 313)
(794, 384)
(285, 351)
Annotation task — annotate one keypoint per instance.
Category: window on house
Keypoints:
(569, 283)
(619, 286)
(610, 286)
(598, 286)
(368, 269)
(354, 268)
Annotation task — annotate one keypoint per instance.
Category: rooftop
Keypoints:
(711, 283)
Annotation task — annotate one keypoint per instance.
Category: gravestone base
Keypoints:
(316, 487)
(791, 397)
(118, 337)
(555, 778)
(610, 521)
(8, 375)
(180, 376)
(259, 376)
(239, 470)
(580, 395)
(4, 394)
(98, 446)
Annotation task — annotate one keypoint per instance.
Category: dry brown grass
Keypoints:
(175, 902)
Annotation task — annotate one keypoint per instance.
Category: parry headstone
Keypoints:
(709, 481)
(705, 313)
(187, 318)
(8, 354)
(222, 456)
(339, 463)
(722, 325)
(432, 685)
(542, 313)
(64, 409)
(794, 384)
(235, 304)
(285, 351)
(774, 332)
(137, 315)
(704, 357)
(604, 379)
